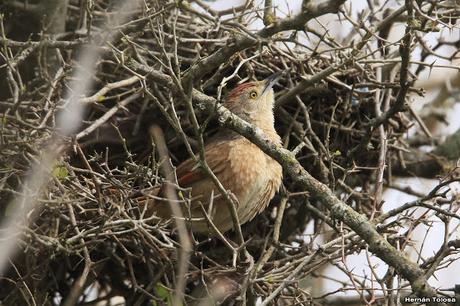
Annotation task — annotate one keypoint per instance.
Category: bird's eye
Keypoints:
(253, 95)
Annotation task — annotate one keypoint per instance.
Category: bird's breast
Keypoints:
(255, 177)
(243, 169)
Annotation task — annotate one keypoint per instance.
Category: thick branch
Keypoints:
(339, 210)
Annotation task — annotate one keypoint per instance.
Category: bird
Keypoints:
(242, 168)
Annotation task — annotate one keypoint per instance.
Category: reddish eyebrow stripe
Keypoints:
(239, 88)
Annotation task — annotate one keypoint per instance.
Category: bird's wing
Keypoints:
(216, 155)
(188, 174)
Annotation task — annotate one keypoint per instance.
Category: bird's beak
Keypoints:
(271, 80)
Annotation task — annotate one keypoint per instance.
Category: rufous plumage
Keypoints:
(241, 167)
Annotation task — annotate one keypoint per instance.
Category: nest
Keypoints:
(79, 225)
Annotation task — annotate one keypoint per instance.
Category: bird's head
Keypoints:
(253, 101)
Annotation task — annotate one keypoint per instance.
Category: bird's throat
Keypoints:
(266, 122)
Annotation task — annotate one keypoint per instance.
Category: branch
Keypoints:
(310, 11)
(268, 13)
(308, 82)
